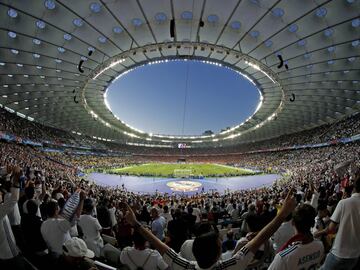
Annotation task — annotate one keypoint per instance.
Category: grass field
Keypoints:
(167, 170)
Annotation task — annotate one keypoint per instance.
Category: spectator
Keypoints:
(145, 215)
(10, 257)
(207, 247)
(75, 256)
(104, 217)
(166, 214)
(190, 220)
(229, 246)
(345, 251)
(91, 228)
(158, 224)
(56, 229)
(285, 232)
(301, 251)
(229, 238)
(140, 257)
(177, 231)
(186, 250)
(30, 225)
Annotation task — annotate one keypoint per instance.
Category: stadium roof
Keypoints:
(42, 43)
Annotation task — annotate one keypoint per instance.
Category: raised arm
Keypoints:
(81, 204)
(147, 234)
(288, 206)
(8, 205)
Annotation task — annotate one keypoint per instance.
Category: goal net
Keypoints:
(182, 173)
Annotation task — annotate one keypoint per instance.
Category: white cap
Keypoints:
(76, 247)
(58, 196)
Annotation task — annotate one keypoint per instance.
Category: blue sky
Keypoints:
(151, 98)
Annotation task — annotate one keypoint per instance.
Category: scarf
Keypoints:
(297, 239)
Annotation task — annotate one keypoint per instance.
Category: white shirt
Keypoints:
(283, 234)
(8, 247)
(229, 208)
(186, 250)
(347, 215)
(55, 232)
(227, 255)
(238, 262)
(134, 258)
(112, 216)
(91, 229)
(314, 199)
(235, 214)
(197, 213)
(158, 226)
(14, 214)
(167, 217)
(299, 256)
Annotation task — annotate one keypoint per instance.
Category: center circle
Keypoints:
(185, 186)
(182, 98)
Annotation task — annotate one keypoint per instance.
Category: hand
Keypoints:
(317, 234)
(130, 216)
(288, 205)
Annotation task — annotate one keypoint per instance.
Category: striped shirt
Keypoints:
(239, 261)
(299, 256)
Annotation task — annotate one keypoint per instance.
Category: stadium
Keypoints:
(179, 134)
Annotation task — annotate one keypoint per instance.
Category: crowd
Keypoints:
(307, 220)
(11, 123)
(246, 229)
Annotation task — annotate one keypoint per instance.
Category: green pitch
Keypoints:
(167, 170)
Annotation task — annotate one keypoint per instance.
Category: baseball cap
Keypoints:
(76, 247)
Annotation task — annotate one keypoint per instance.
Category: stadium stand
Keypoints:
(47, 179)
(59, 58)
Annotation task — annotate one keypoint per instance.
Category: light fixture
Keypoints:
(213, 18)
(293, 28)
(278, 12)
(355, 23)
(321, 12)
(12, 13)
(160, 17)
(254, 33)
(236, 25)
(12, 34)
(187, 15)
(36, 41)
(102, 39)
(331, 49)
(117, 29)
(328, 32)
(136, 22)
(40, 24)
(95, 7)
(49, 4)
(78, 22)
(67, 36)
